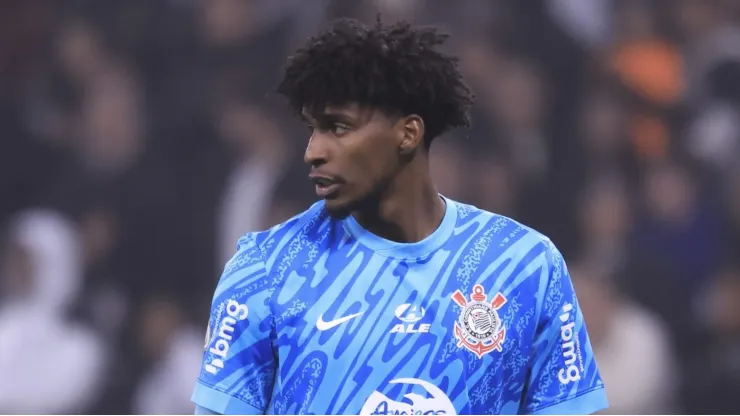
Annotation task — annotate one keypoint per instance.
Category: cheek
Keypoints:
(370, 163)
(364, 174)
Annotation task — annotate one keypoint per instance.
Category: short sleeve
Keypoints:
(238, 369)
(564, 378)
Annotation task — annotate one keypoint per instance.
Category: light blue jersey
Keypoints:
(319, 316)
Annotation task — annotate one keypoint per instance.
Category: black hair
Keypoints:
(396, 69)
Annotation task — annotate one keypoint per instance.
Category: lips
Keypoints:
(326, 186)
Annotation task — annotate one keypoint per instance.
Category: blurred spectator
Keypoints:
(261, 155)
(585, 20)
(518, 102)
(712, 51)
(715, 372)
(679, 224)
(604, 136)
(714, 135)
(710, 34)
(81, 52)
(50, 363)
(632, 347)
(174, 350)
(606, 217)
(650, 65)
(112, 124)
(732, 213)
(643, 58)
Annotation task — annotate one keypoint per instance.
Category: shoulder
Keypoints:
(299, 224)
(506, 234)
(302, 225)
(256, 251)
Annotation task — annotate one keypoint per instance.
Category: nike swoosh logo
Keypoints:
(322, 325)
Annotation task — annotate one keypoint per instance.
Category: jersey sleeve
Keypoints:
(564, 378)
(239, 365)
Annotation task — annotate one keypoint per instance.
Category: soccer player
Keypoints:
(386, 297)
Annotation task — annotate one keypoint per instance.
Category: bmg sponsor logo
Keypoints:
(235, 312)
(571, 348)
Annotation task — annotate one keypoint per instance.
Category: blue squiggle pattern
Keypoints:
(314, 267)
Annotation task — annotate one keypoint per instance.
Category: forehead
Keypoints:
(351, 112)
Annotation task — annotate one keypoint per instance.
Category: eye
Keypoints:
(339, 129)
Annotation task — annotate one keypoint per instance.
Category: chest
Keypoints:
(444, 330)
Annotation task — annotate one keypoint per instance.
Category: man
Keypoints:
(385, 297)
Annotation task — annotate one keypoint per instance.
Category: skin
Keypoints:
(377, 168)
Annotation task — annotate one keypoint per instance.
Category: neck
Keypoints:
(409, 210)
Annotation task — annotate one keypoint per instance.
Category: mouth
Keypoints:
(325, 186)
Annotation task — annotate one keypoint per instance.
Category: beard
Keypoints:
(367, 202)
(337, 210)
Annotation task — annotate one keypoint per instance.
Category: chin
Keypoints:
(338, 209)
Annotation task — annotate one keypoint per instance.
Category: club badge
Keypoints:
(479, 327)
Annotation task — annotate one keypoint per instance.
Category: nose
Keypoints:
(316, 152)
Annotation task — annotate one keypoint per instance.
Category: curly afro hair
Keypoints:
(395, 69)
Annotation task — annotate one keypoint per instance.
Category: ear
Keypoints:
(412, 131)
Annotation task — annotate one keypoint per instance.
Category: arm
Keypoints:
(239, 367)
(564, 378)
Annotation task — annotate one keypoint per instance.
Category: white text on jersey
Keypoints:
(410, 329)
(236, 312)
(571, 348)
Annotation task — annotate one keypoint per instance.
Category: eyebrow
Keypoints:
(326, 118)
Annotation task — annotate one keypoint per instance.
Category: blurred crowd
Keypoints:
(140, 138)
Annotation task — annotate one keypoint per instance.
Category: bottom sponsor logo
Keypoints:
(433, 402)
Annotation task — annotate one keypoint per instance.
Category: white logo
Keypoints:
(410, 314)
(236, 312)
(571, 348)
(322, 325)
(434, 402)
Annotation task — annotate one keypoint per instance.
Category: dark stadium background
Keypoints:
(139, 138)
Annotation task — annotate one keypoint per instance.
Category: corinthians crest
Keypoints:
(479, 327)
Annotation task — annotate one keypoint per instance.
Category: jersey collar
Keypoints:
(406, 250)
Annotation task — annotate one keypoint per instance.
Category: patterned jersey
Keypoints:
(319, 316)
